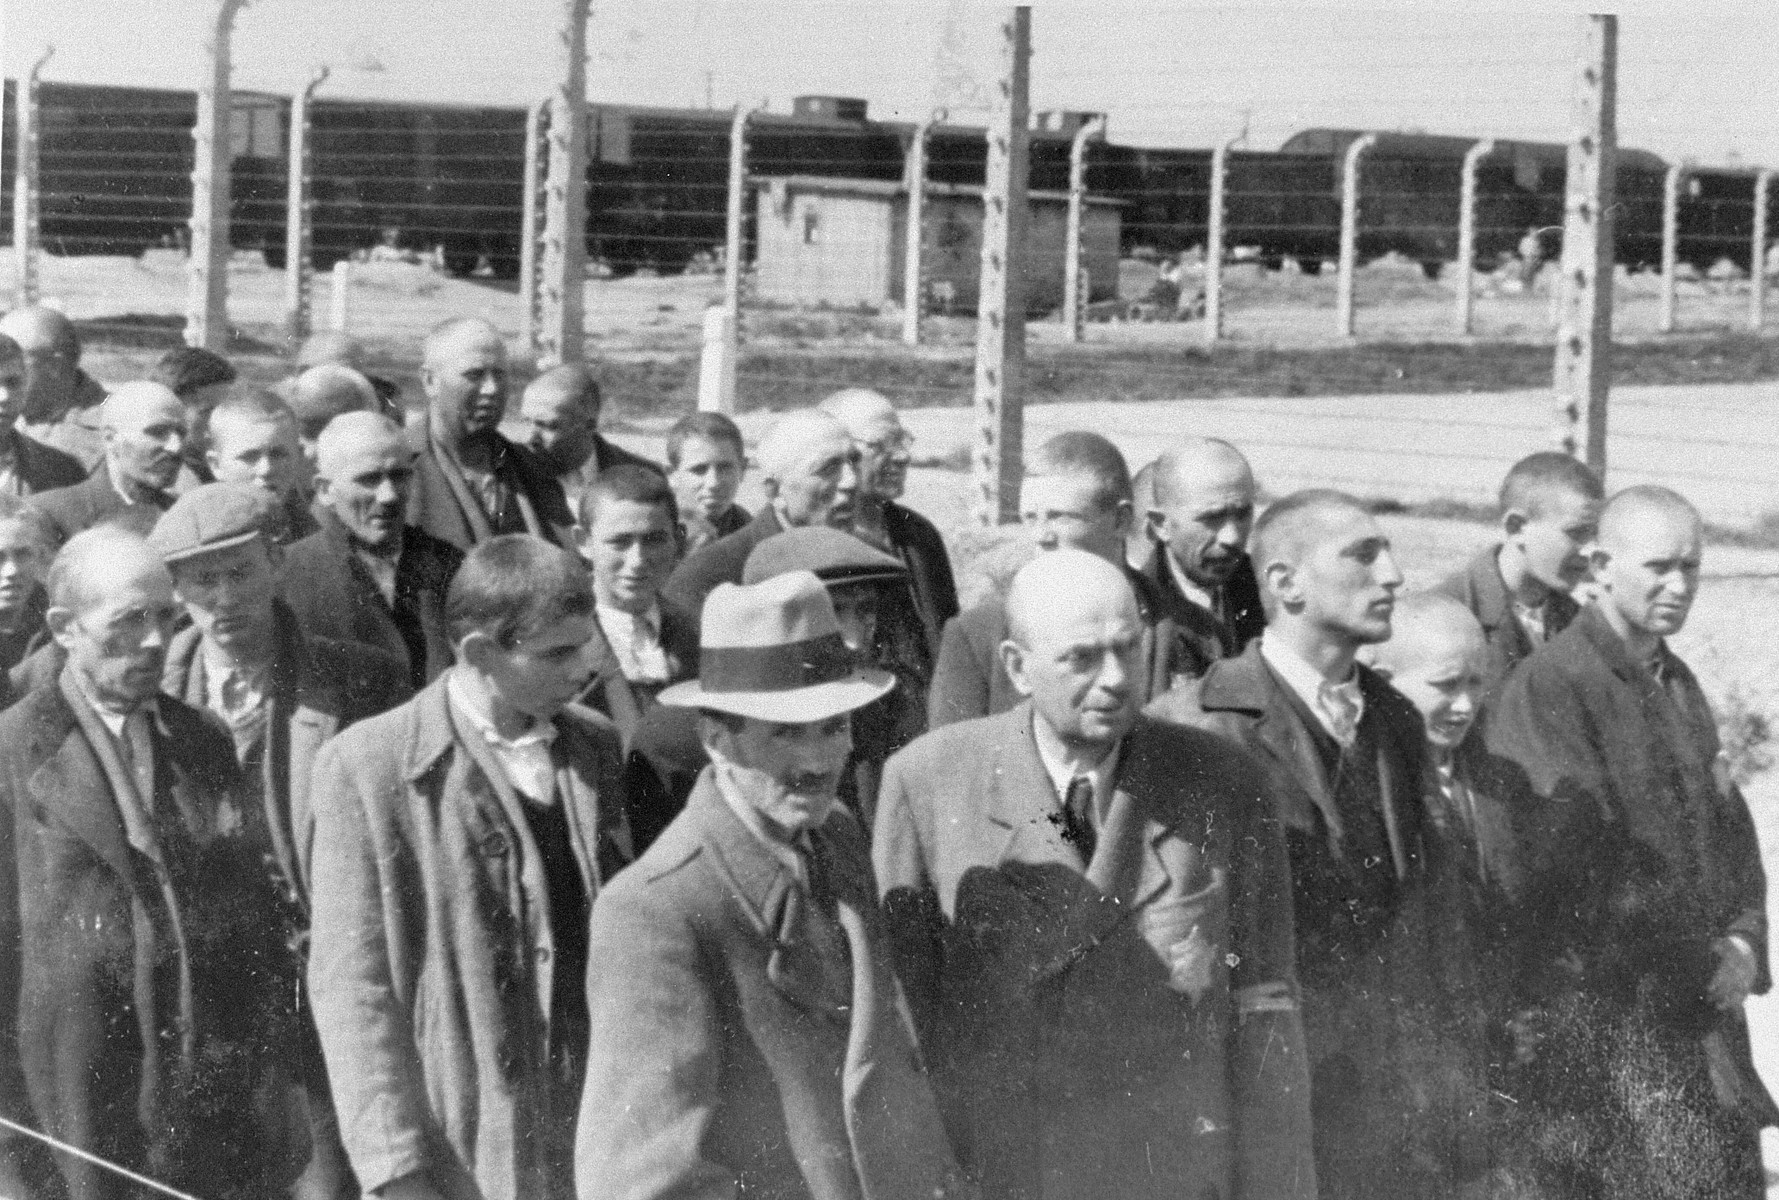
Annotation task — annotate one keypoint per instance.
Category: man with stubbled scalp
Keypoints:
(144, 431)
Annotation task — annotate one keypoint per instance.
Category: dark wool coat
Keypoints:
(735, 1051)
(334, 597)
(1121, 1028)
(917, 542)
(105, 959)
(722, 561)
(1647, 855)
(40, 468)
(1479, 588)
(431, 949)
(94, 501)
(434, 508)
(1360, 908)
(1201, 635)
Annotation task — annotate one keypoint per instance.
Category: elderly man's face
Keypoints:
(117, 640)
(883, 458)
(229, 592)
(261, 451)
(789, 772)
(1207, 530)
(556, 421)
(1348, 580)
(23, 561)
(466, 384)
(1081, 669)
(145, 439)
(366, 486)
(820, 485)
(50, 371)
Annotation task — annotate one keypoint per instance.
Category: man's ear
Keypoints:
(1122, 516)
(1280, 579)
(1598, 560)
(214, 459)
(1513, 521)
(476, 649)
(1156, 525)
(1013, 661)
(60, 623)
(769, 485)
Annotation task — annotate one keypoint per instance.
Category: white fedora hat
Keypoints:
(772, 650)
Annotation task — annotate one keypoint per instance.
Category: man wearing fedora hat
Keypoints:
(1091, 912)
(747, 1033)
(460, 840)
(281, 695)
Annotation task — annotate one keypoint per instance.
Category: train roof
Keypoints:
(1447, 146)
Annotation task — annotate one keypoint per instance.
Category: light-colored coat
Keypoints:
(1121, 1028)
(431, 948)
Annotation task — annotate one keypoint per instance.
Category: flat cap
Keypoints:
(834, 556)
(213, 516)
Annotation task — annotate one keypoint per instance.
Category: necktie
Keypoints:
(1341, 705)
(1077, 817)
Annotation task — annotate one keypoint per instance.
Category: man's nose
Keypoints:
(849, 476)
(1388, 574)
(1116, 671)
(1230, 535)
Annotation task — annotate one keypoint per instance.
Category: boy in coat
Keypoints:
(459, 842)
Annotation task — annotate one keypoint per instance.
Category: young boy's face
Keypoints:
(706, 478)
(1556, 540)
(1445, 683)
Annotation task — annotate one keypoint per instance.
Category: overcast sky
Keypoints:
(1696, 79)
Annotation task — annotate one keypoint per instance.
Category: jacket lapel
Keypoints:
(71, 784)
(1246, 684)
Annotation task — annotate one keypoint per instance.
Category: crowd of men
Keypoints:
(392, 808)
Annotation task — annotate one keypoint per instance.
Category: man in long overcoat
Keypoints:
(1091, 913)
(459, 842)
(1652, 873)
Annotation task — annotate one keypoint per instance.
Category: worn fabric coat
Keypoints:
(1479, 588)
(79, 431)
(918, 543)
(333, 596)
(731, 1056)
(153, 1020)
(1360, 911)
(39, 468)
(431, 948)
(1201, 635)
(1121, 1028)
(1649, 856)
(94, 501)
(722, 561)
(434, 505)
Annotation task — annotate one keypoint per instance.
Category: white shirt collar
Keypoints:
(1305, 680)
(218, 669)
(525, 759)
(1192, 591)
(636, 639)
(730, 789)
(113, 719)
(1055, 757)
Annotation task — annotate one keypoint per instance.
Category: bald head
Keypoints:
(1056, 589)
(145, 431)
(1328, 577)
(1646, 563)
(52, 360)
(1202, 509)
(40, 329)
(354, 433)
(871, 421)
(328, 346)
(448, 336)
(1291, 529)
(560, 409)
(860, 410)
(325, 391)
(112, 610)
(1435, 657)
(131, 405)
(1629, 514)
(363, 473)
(1074, 647)
(464, 374)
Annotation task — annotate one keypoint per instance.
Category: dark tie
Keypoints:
(1077, 817)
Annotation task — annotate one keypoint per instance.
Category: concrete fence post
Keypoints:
(565, 196)
(339, 313)
(207, 296)
(716, 362)
(1074, 302)
(26, 190)
(998, 462)
(531, 227)
(1583, 376)
(1670, 243)
(722, 360)
(1349, 233)
(914, 292)
(1465, 280)
(299, 233)
(1757, 261)
(1215, 233)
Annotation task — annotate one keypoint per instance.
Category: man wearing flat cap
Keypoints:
(747, 1032)
(281, 695)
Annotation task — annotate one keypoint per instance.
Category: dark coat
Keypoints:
(722, 561)
(334, 597)
(430, 961)
(1202, 636)
(917, 542)
(969, 680)
(28, 632)
(1083, 1017)
(42, 468)
(1360, 907)
(79, 432)
(731, 1055)
(1479, 588)
(93, 501)
(319, 687)
(433, 506)
(110, 951)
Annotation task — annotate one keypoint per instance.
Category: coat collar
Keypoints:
(1488, 592)
(1596, 632)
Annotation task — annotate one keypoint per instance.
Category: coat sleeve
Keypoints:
(1269, 1061)
(960, 678)
(367, 1031)
(913, 916)
(653, 1082)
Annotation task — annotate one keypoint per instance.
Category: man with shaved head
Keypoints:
(880, 517)
(145, 427)
(366, 575)
(253, 440)
(27, 466)
(61, 406)
(810, 470)
(1091, 915)
(333, 347)
(1198, 516)
(150, 991)
(560, 408)
(1343, 760)
(322, 393)
(471, 483)
(1658, 899)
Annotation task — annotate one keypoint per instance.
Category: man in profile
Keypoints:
(560, 408)
(471, 483)
(144, 430)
